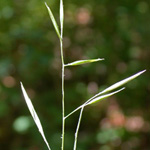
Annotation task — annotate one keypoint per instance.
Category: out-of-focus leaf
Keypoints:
(34, 115)
(81, 62)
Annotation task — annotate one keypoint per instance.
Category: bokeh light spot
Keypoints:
(83, 16)
(22, 124)
(9, 81)
(142, 7)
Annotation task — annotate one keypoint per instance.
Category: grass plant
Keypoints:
(113, 89)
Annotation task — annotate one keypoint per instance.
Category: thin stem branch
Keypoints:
(77, 129)
(112, 87)
(83, 105)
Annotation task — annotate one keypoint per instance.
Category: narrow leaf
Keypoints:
(97, 99)
(34, 115)
(53, 20)
(81, 62)
(120, 83)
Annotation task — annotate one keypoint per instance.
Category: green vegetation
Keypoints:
(114, 124)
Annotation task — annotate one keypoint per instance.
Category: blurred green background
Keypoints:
(118, 31)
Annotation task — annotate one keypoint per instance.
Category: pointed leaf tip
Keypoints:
(122, 82)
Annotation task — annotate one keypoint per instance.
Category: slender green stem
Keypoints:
(63, 110)
(63, 94)
(63, 67)
(77, 129)
(63, 97)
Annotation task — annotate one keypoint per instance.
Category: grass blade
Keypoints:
(53, 20)
(97, 99)
(34, 115)
(81, 62)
